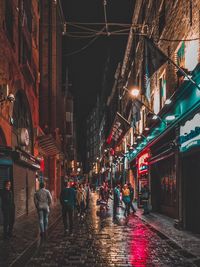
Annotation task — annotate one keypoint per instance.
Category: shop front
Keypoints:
(190, 162)
(163, 173)
(142, 173)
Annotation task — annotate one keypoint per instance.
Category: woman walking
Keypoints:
(126, 199)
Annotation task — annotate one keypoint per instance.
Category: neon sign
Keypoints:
(143, 165)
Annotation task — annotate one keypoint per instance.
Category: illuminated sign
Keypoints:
(190, 134)
(143, 163)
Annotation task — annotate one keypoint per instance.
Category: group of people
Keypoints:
(126, 195)
(73, 196)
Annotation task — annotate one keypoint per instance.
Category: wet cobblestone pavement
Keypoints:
(100, 242)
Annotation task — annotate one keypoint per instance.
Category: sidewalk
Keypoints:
(27, 236)
(165, 225)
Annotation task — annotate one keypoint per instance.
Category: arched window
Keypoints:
(22, 118)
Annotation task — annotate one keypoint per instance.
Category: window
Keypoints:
(162, 89)
(9, 19)
(162, 19)
(191, 54)
(180, 55)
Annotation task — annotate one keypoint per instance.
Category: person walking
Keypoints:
(116, 201)
(81, 200)
(68, 203)
(145, 194)
(126, 199)
(43, 200)
(8, 210)
(131, 197)
(88, 191)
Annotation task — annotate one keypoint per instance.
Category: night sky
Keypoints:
(86, 68)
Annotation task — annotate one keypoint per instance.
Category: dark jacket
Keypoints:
(131, 192)
(116, 196)
(68, 197)
(145, 193)
(7, 200)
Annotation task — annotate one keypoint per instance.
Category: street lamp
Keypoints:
(135, 93)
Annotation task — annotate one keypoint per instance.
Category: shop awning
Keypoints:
(48, 145)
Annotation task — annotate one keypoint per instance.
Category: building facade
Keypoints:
(165, 124)
(19, 118)
(52, 105)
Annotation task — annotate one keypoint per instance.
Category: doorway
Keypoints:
(191, 188)
(5, 174)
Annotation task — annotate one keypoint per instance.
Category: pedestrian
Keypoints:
(68, 202)
(145, 194)
(130, 187)
(81, 200)
(126, 199)
(88, 191)
(43, 200)
(8, 210)
(116, 201)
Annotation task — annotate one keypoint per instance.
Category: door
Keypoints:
(192, 192)
(5, 174)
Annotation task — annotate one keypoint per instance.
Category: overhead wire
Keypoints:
(105, 15)
(84, 47)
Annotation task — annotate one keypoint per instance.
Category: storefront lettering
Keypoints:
(190, 133)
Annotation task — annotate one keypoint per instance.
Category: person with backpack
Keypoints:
(68, 203)
(43, 200)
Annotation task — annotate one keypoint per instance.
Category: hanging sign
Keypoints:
(118, 131)
(190, 134)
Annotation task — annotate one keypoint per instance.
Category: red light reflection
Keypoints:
(139, 248)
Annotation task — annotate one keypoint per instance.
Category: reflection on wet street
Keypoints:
(98, 241)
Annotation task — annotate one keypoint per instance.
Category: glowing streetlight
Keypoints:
(168, 101)
(135, 92)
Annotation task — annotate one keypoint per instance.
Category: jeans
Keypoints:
(43, 219)
(127, 209)
(146, 206)
(131, 206)
(67, 215)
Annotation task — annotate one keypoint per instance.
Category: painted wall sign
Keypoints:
(190, 134)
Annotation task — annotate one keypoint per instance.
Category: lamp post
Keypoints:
(135, 93)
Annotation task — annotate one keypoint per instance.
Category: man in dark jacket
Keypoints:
(8, 210)
(68, 202)
(131, 197)
(116, 201)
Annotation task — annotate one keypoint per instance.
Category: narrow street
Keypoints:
(100, 242)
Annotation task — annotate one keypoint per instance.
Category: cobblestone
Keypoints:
(100, 242)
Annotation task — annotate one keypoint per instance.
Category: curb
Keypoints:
(24, 257)
(187, 254)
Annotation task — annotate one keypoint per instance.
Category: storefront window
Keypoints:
(168, 183)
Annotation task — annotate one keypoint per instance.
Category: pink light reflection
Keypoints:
(139, 248)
